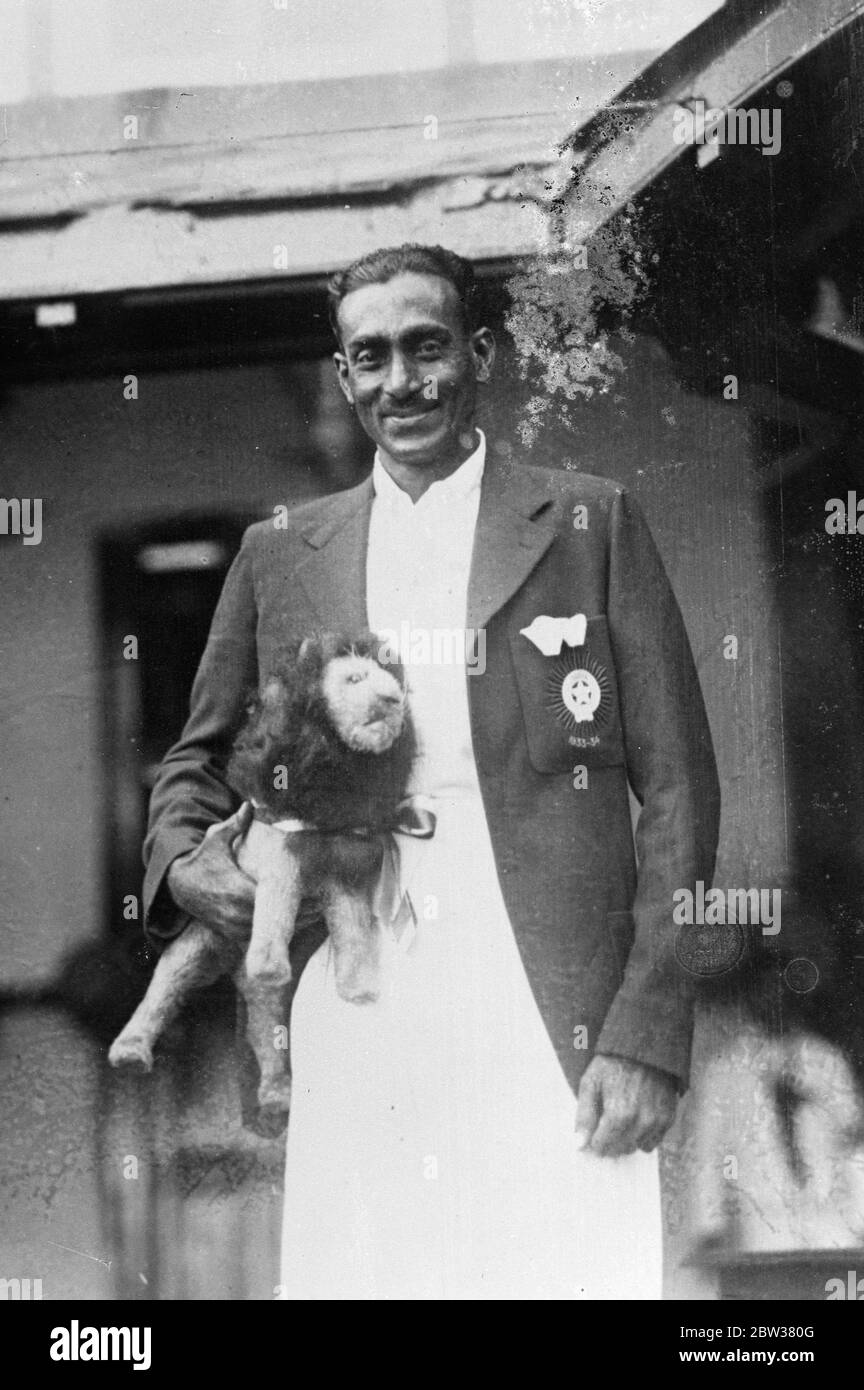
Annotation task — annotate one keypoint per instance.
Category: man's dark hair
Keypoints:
(410, 258)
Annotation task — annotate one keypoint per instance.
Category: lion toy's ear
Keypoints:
(317, 649)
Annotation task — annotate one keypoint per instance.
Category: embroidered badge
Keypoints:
(580, 695)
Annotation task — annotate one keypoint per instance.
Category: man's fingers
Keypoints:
(232, 928)
(615, 1135)
(623, 1132)
(588, 1110)
(623, 1107)
(235, 825)
(654, 1131)
(649, 1141)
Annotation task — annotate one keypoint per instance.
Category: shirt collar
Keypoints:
(458, 486)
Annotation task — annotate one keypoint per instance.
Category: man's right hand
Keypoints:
(208, 883)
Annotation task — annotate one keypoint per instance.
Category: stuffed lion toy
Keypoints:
(324, 757)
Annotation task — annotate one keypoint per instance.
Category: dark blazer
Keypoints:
(596, 936)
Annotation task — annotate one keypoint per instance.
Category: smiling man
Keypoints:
(411, 369)
(487, 1128)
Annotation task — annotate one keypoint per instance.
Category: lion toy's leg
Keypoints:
(356, 948)
(267, 970)
(187, 964)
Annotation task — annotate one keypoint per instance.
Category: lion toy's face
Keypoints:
(365, 702)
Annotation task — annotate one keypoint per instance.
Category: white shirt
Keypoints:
(417, 567)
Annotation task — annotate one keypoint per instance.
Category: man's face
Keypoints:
(411, 370)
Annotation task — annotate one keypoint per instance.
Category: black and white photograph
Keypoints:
(432, 659)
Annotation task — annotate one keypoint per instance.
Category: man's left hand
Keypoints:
(623, 1106)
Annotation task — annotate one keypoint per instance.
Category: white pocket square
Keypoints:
(549, 634)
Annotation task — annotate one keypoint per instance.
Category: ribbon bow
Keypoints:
(392, 903)
(414, 816)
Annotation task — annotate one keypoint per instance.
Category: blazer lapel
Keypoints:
(334, 571)
(514, 530)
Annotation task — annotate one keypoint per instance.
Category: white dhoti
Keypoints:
(431, 1147)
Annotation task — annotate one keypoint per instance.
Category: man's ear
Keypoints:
(342, 372)
(483, 351)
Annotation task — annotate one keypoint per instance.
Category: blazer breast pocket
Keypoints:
(570, 702)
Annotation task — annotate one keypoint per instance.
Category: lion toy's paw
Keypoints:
(274, 1097)
(131, 1053)
(358, 984)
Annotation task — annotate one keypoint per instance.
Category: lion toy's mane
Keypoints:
(326, 784)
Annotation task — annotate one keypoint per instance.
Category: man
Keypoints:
(477, 1133)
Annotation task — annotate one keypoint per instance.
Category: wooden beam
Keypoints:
(283, 168)
(295, 179)
(120, 248)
